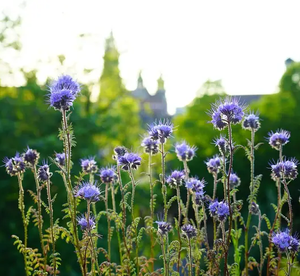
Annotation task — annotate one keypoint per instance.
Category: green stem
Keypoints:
(190, 259)
(178, 230)
(151, 210)
(108, 222)
(186, 172)
(164, 188)
(290, 205)
(166, 270)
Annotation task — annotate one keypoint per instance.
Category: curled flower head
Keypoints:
(213, 164)
(251, 122)
(279, 138)
(189, 230)
(195, 185)
(254, 209)
(276, 169)
(63, 92)
(150, 145)
(89, 165)
(284, 241)
(234, 180)
(219, 210)
(163, 227)
(44, 173)
(285, 169)
(86, 224)
(89, 191)
(199, 197)
(161, 131)
(108, 175)
(31, 157)
(222, 144)
(60, 158)
(129, 160)
(175, 179)
(118, 152)
(228, 111)
(14, 165)
(184, 151)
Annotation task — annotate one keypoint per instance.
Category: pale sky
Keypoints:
(244, 43)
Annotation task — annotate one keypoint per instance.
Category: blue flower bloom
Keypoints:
(163, 227)
(234, 180)
(63, 92)
(175, 179)
(222, 144)
(251, 122)
(31, 157)
(129, 160)
(89, 165)
(219, 210)
(184, 151)
(83, 222)
(161, 131)
(285, 169)
(108, 175)
(195, 185)
(213, 164)
(60, 158)
(150, 145)
(89, 192)
(284, 241)
(189, 230)
(44, 173)
(279, 138)
(228, 111)
(14, 165)
(118, 152)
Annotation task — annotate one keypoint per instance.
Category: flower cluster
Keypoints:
(86, 224)
(150, 145)
(219, 210)
(284, 241)
(108, 175)
(222, 144)
(213, 164)
(197, 186)
(184, 151)
(60, 158)
(31, 157)
(129, 161)
(286, 169)
(89, 165)
(14, 165)
(161, 131)
(189, 230)
(251, 122)
(279, 138)
(44, 173)
(88, 191)
(118, 152)
(163, 227)
(175, 179)
(228, 111)
(234, 181)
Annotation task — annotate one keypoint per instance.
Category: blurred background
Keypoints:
(141, 61)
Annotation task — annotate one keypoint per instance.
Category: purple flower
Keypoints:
(118, 152)
(184, 151)
(175, 179)
(14, 165)
(285, 169)
(60, 158)
(279, 138)
(44, 173)
(228, 111)
(222, 144)
(31, 157)
(163, 227)
(251, 122)
(129, 160)
(89, 165)
(89, 192)
(83, 223)
(150, 146)
(189, 230)
(219, 210)
(161, 131)
(284, 241)
(234, 181)
(213, 164)
(63, 92)
(195, 185)
(108, 175)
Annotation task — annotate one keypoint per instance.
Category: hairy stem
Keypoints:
(151, 209)
(164, 188)
(186, 172)
(190, 259)
(179, 221)
(108, 222)
(289, 200)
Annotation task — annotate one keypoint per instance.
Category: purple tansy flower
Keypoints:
(175, 179)
(184, 151)
(9, 166)
(129, 160)
(213, 164)
(195, 184)
(89, 165)
(294, 244)
(251, 122)
(199, 197)
(163, 227)
(118, 152)
(161, 131)
(83, 222)
(31, 157)
(282, 240)
(44, 173)
(213, 208)
(279, 138)
(290, 168)
(14, 165)
(60, 158)
(227, 111)
(108, 175)
(150, 145)
(89, 191)
(66, 82)
(276, 170)
(234, 180)
(189, 230)
(222, 144)
(219, 210)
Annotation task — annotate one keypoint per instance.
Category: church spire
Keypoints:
(160, 83)
(140, 83)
